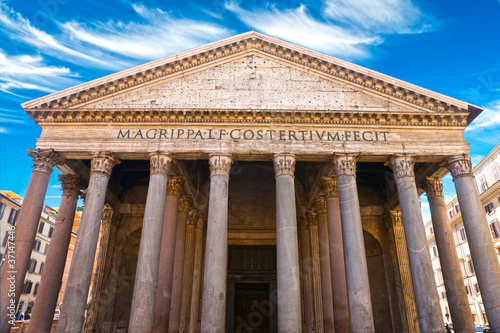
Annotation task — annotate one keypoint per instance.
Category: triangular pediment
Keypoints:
(252, 71)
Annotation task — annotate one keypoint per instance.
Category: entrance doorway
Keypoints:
(251, 290)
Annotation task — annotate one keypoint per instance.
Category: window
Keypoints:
(46, 249)
(489, 208)
(36, 289)
(32, 266)
(457, 209)
(40, 271)
(496, 172)
(470, 266)
(495, 232)
(462, 236)
(2, 209)
(443, 295)
(451, 213)
(51, 230)
(40, 227)
(27, 287)
(37, 245)
(5, 239)
(484, 184)
(14, 214)
(476, 288)
(434, 251)
(467, 290)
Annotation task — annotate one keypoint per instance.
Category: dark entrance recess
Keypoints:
(251, 290)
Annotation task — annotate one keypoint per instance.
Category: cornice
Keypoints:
(258, 116)
(231, 47)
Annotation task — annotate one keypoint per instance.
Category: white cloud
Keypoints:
(30, 72)
(379, 16)
(347, 29)
(161, 34)
(488, 119)
(298, 26)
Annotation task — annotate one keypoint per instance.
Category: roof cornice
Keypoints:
(353, 74)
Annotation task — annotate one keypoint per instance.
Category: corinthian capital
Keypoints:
(312, 217)
(459, 166)
(107, 214)
(160, 163)
(174, 185)
(185, 203)
(402, 165)
(330, 187)
(44, 159)
(433, 187)
(70, 184)
(396, 217)
(201, 223)
(345, 164)
(320, 205)
(220, 164)
(103, 162)
(284, 164)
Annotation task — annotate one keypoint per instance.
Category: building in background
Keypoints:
(10, 205)
(487, 176)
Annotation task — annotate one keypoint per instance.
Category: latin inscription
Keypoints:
(251, 134)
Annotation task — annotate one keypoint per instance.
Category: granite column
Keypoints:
(426, 299)
(22, 235)
(148, 262)
(452, 274)
(336, 248)
(287, 254)
(481, 246)
(197, 274)
(77, 288)
(213, 311)
(316, 272)
(180, 242)
(50, 283)
(358, 286)
(324, 256)
(168, 241)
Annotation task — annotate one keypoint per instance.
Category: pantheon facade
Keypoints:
(251, 185)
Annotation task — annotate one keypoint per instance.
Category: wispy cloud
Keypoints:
(377, 16)
(347, 28)
(30, 72)
(488, 119)
(160, 34)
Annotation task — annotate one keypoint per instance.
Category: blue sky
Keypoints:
(452, 47)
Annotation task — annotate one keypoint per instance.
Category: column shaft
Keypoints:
(481, 246)
(358, 286)
(305, 249)
(336, 248)
(213, 311)
(287, 256)
(72, 313)
(50, 283)
(146, 277)
(168, 243)
(452, 274)
(180, 242)
(316, 270)
(324, 255)
(106, 225)
(404, 270)
(195, 296)
(187, 284)
(427, 299)
(22, 238)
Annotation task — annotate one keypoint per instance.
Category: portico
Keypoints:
(210, 158)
